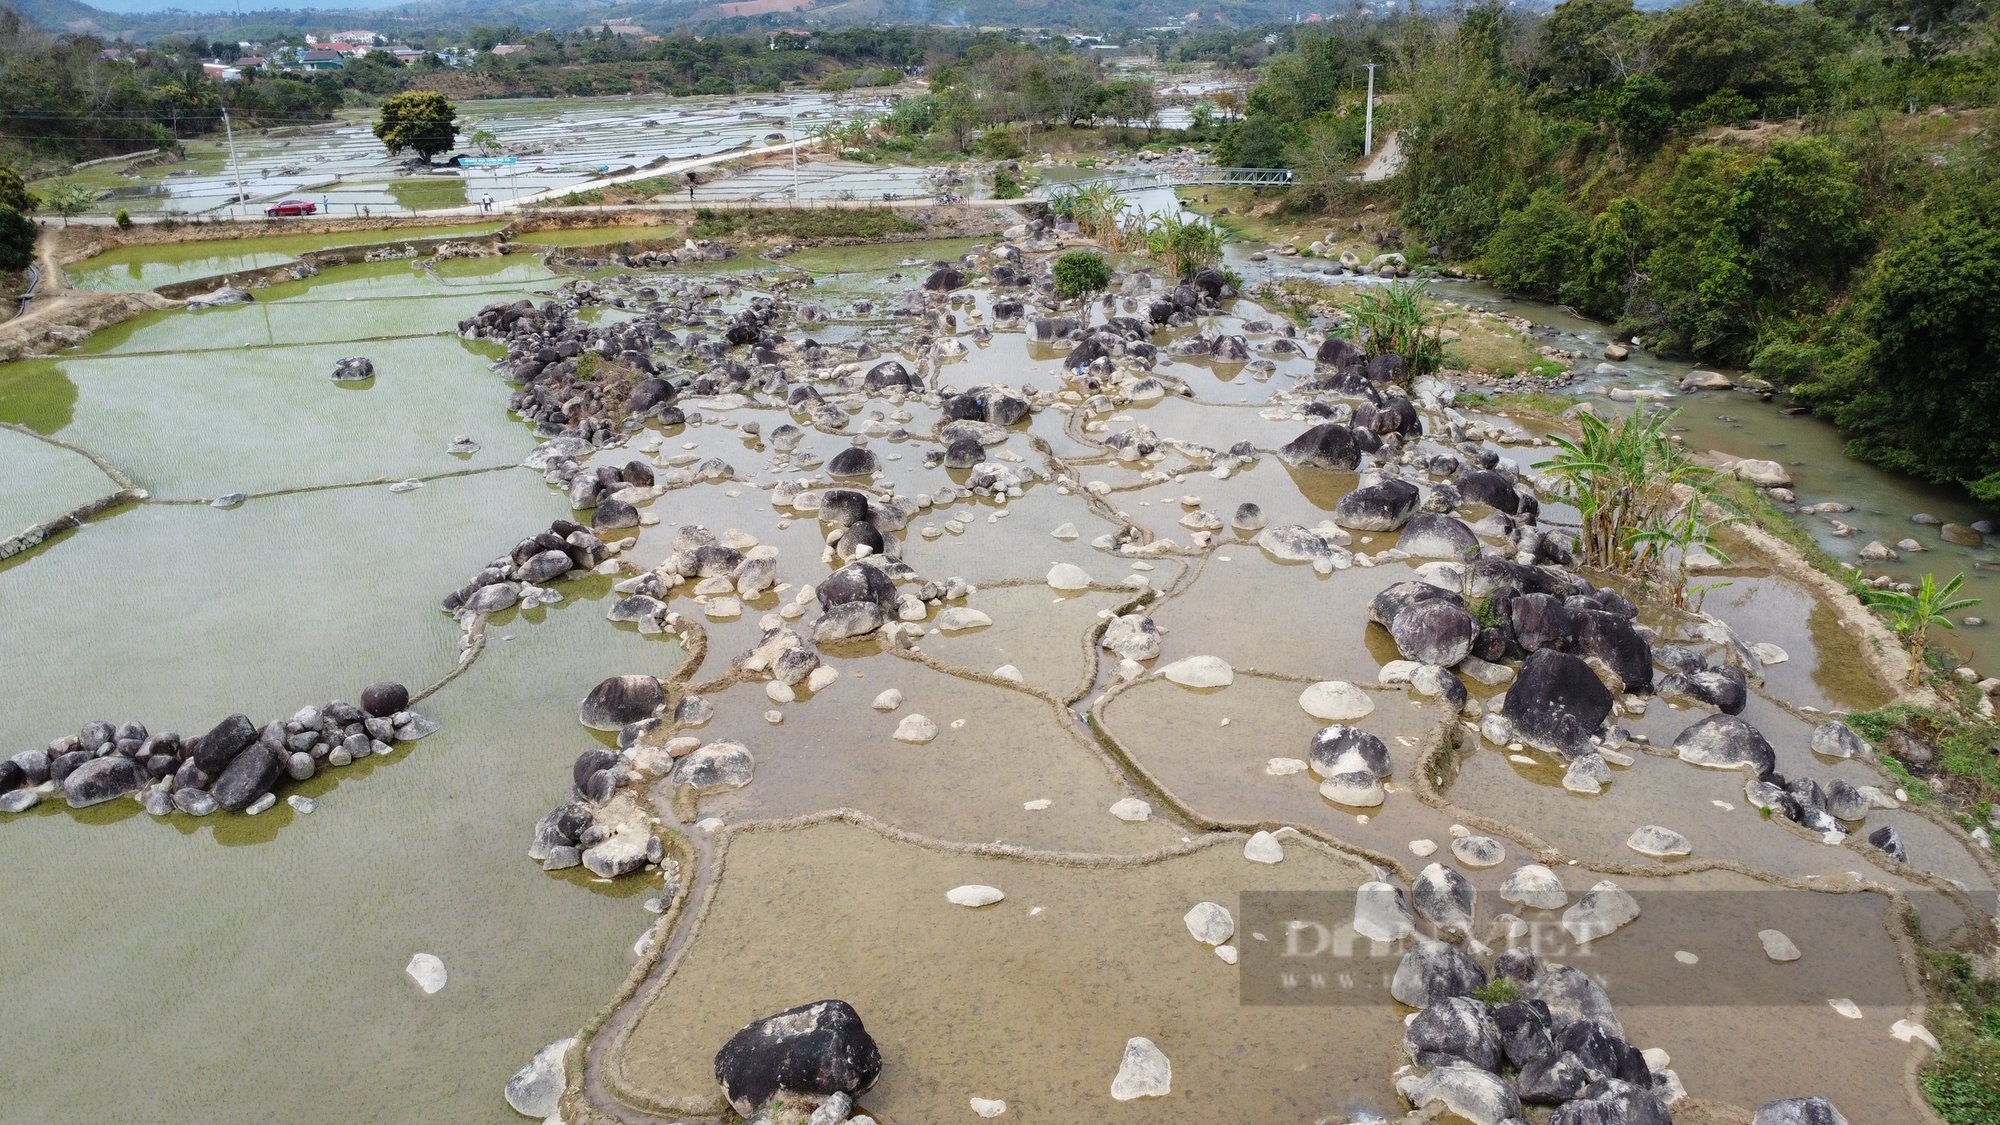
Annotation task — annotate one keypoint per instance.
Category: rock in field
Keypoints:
(1836, 739)
(1143, 1072)
(1335, 701)
(428, 971)
(1798, 1111)
(1380, 915)
(1200, 672)
(1457, 1030)
(103, 779)
(1601, 910)
(1725, 742)
(353, 369)
(1556, 702)
(536, 1087)
(1533, 885)
(1210, 923)
(1476, 1095)
(1777, 946)
(1658, 843)
(915, 728)
(620, 700)
(816, 1049)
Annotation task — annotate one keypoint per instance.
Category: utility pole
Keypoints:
(795, 173)
(236, 193)
(1368, 121)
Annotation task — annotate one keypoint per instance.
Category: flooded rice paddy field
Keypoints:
(1101, 794)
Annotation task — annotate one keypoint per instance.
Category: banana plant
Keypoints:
(1911, 615)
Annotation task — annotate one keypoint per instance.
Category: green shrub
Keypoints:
(1005, 186)
(123, 218)
(1080, 273)
(1536, 247)
(17, 239)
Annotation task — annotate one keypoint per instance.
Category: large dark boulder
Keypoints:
(648, 393)
(842, 506)
(1339, 351)
(817, 1050)
(1483, 486)
(1209, 281)
(1433, 971)
(620, 700)
(1330, 447)
(1885, 838)
(1725, 689)
(854, 461)
(1613, 1102)
(247, 778)
(216, 749)
(385, 699)
(1612, 639)
(1379, 507)
(98, 780)
(1392, 601)
(1525, 1030)
(1798, 1111)
(964, 453)
(1457, 1029)
(1430, 535)
(1435, 631)
(590, 762)
(1725, 742)
(858, 582)
(1540, 621)
(944, 280)
(1556, 702)
(886, 374)
(1552, 1080)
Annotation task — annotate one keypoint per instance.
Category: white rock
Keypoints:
(1846, 1008)
(822, 677)
(915, 728)
(987, 1107)
(1068, 576)
(1285, 767)
(1423, 849)
(1037, 805)
(1601, 910)
(1262, 847)
(1227, 953)
(305, 805)
(1686, 958)
(974, 894)
(1659, 843)
(1656, 1059)
(536, 1087)
(1066, 532)
(1131, 809)
(1210, 923)
(1380, 914)
(778, 691)
(1200, 672)
(1357, 789)
(1397, 672)
(1536, 886)
(1906, 1031)
(1144, 1072)
(1336, 701)
(1768, 653)
(889, 700)
(1008, 672)
(960, 617)
(427, 971)
(1777, 946)
(1478, 851)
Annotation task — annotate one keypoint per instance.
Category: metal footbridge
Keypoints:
(1174, 177)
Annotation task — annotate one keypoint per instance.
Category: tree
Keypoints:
(68, 200)
(1079, 273)
(419, 120)
(1574, 41)
(1468, 144)
(485, 142)
(17, 239)
(1643, 112)
(1536, 247)
(15, 194)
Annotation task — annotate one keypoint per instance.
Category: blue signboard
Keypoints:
(481, 161)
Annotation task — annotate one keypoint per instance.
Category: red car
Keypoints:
(292, 207)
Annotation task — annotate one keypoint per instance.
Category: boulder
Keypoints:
(944, 280)
(1540, 621)
(1656, 842)
(1885, 838)
(353, 369)
(536, 1087)
(1570, 996)
(1484, 486)
(249, 776)
(1725, 689)
(1432, 971)
(1456, 1030)
(1553, 1080)
(1845, 801)
(1378, 507)
(1613, 639)
(1380, 914)
(1430, 535)
(1335, 701)
(1329, 447)
(102, 779)
(1764, 474)
(1434, 631)
(1526, 1031)
(214, 750)
(857, 582)
(385, 699)
(1133, 636)
(1725, 742)
(1798, 1111)
(1600, 912)
(715, 768)
(1611, 1101)
(1339, 748)
(1143, 1071)
(1535, 886)
(854, 461)
(1835, 739)
(1200, 672)
(1556, 702)
(1476, 1095)
(816, 1049)
(1444, 896)
(620, 700)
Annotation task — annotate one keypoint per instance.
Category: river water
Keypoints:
(162, 969)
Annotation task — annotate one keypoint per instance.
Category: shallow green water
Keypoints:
(148, 267)
(597, 236)
(266, 954)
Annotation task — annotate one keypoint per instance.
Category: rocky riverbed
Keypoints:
(985, 698)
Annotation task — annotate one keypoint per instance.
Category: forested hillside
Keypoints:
(1811, 191)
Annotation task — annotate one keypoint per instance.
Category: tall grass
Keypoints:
(1399, 319)
(1101, 213)
(1641, 498)
(1185, 244)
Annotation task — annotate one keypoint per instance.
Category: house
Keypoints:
(342, 47)
(408, 56)
(249, 62)
(320, 60)
(216, 71)
(505, 49)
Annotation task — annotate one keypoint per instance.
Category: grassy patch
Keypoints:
(1538, 404)
(831, 222)
(1965, 775)
(1964, 1083)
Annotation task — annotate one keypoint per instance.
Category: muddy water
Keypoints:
(290, 980)
(149, 267)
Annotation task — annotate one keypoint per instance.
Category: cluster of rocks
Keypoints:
(1557, 1042)
(235, 767)
(726, 571)
(692, 251)
(565, 550)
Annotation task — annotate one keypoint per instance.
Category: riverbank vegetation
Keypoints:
(1806, 190)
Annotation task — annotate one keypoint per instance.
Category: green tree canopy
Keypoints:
(419, 120)
(17, 239)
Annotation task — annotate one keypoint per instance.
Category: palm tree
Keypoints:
(1912, 615)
